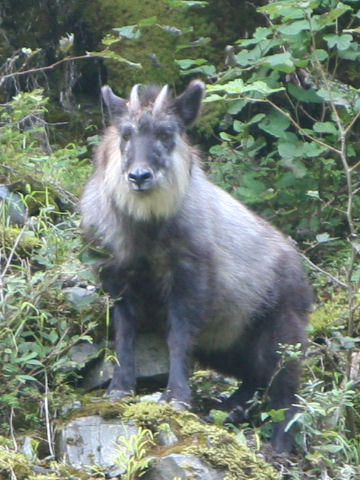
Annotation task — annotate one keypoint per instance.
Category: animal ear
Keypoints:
(187, 105)
(116, 105)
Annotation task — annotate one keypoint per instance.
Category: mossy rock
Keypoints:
(24, 240)
(13, 464)
(213, 444)
(329, 314)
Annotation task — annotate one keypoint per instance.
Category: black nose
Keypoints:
(140, 176)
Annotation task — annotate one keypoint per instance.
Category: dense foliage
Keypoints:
(281, 122)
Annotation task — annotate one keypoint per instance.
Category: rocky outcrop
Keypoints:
(152, 364)
(155, 440)
(182, 466)
(92, 440)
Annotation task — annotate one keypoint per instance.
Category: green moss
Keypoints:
(12, 464)
(27, 242)
(329, 314)
(210, 118)
(93, 405)
(220, 448)
(215, 445)
(151, 414)
(156, 39)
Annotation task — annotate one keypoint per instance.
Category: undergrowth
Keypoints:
(288, 147)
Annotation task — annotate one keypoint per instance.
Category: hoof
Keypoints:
(237, 415)
(179, 405)
(116, 395)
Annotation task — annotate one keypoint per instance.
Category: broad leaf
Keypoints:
(281, 61)
(131, 32)
(325, 127)
(275, 124)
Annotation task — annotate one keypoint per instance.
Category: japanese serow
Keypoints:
(190, 261)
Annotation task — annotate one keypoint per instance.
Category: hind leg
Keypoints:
(282, 396)
(239, 402)
(261, 368)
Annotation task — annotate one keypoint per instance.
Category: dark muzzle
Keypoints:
(141, 178)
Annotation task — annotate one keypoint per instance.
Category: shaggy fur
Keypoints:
(190, 261)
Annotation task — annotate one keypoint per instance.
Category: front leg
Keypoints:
(180, 348)
(124, 379)
(185, 313)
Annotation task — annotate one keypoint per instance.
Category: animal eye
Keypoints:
(126, 133)
(164, 135)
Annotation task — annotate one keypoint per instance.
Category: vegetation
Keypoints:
(281, 123)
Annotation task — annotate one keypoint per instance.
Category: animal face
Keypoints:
(149, 165)
(147, 145)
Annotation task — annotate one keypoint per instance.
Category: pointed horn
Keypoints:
(134, 102)
(160, 99)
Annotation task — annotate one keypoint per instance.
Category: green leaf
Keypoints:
(352, 53)
(277, 415)
(248, 57)
(186, 4)
(34, 362)
(275, 124)
(285, 9)
(320, 54)
(260, 34)
(291, 149)
(356, 276)
(188, 62)
(307, 96)
(356, 106)
(148, 22)
(25, 378)
(237, 87)
(313, 194)
(208, 70)
(81, 300)
(332, 448)
(294, 28)
(323, 237)
(313, 149)
(200, 42)
(342, 42)
(337, 95)
(131, 32)
(281, 61)
(53, 336)
(333, 14)
(170, 29)
(251, 187)
(213, 98)
(287, 180)
(325, 127)
(225, 136)
(219, 417)
(111, 55)
(26, 358)
(237, 105)
(241, 126)
(296, 166)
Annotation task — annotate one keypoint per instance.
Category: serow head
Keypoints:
(151, 126)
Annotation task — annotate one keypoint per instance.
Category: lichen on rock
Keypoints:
(219, 453)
